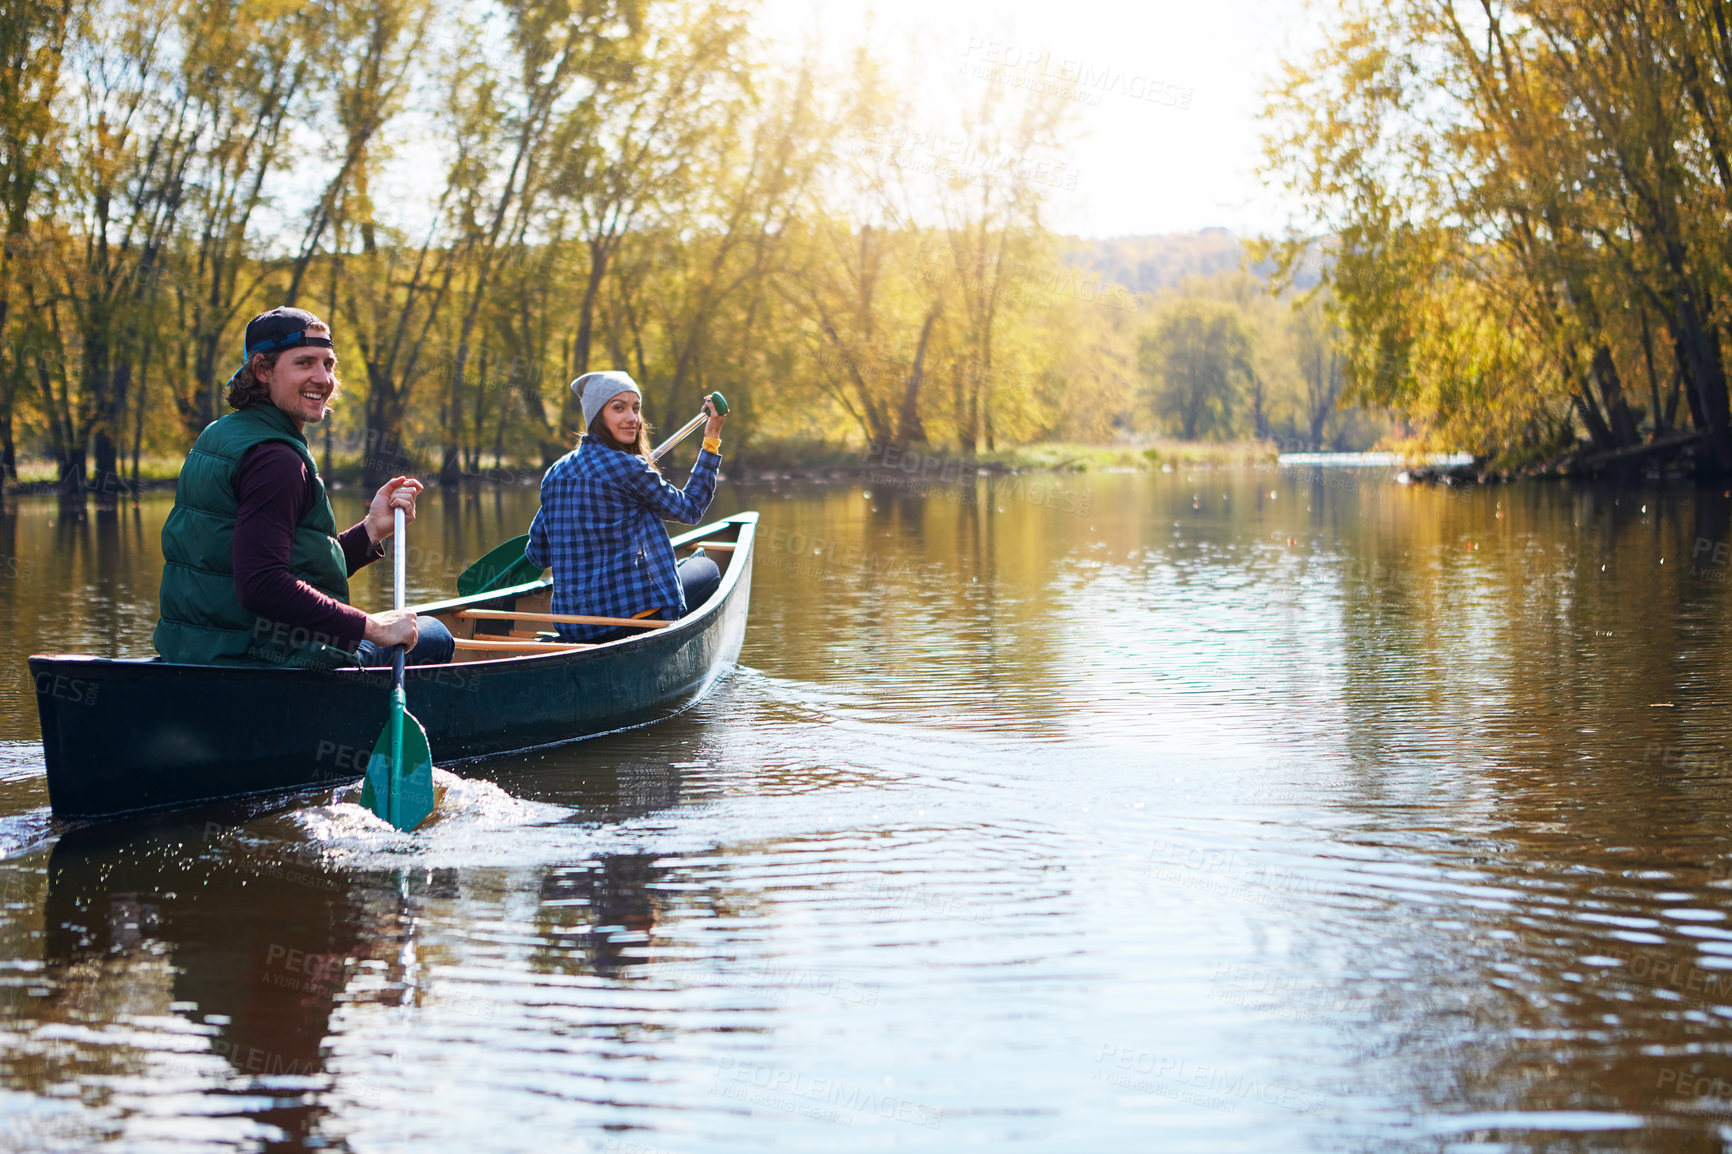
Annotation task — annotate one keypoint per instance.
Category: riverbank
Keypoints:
(1672, 457)
(814, 464)
(818, 463)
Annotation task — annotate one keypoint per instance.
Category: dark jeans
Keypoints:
(433, 646)
(700, 577)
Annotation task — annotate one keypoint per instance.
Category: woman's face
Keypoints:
(623, 416)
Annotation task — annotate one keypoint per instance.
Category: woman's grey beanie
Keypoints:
(597, 389)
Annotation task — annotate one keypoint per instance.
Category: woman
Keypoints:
(254, 570)
(602, 507)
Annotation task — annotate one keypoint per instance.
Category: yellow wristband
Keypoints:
(713, 445)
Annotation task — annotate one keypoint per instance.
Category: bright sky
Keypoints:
(1142, 165)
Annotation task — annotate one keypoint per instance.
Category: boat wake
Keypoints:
(27, 823)
(20, 833)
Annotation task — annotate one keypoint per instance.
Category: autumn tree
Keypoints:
(1195, 360)
(32, 46)
(247, 70)
(1553, 168)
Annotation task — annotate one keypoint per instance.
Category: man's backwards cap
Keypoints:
(283, 327)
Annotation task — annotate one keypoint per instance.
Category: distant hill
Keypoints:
(1152, 264)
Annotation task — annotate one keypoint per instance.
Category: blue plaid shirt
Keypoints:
(600, 527)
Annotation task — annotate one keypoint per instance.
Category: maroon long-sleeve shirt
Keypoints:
(275, 491)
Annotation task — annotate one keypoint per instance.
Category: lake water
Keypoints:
(1258, 810)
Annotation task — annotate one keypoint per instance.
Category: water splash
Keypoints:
(468, 813)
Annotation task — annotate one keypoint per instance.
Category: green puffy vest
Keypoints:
(202, 622)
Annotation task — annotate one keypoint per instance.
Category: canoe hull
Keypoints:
(122, 736)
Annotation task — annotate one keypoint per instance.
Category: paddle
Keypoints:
(500, 568)
(505, 565)
(399, 786)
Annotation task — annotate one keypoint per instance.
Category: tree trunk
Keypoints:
(1599, 434)
(59, 432)
(1686, 382)
(110, 390)
(1259, 420)
(1192, 411)
(1662, 417)
(971, 426)
(15, 371)
(910, 429)
(450, 466)
(105, 478)
(1707, 375)
(1672, 397)
(200, 409)
(138, 420)
(472, 451)
(1319, 414)
(8, 451)
(385, 455)
(505, 407)
(1621, 421)
(69, 475)
(958, 406)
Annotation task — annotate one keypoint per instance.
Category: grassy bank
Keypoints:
(1139, 455)
(153, 473)
(1038, 456)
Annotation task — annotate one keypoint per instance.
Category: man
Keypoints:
(254, 572)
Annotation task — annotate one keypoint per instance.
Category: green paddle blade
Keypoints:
(399, 784)
(500, 568)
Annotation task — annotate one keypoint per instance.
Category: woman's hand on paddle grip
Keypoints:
(397, 493)
(713, 427)
(392, 627)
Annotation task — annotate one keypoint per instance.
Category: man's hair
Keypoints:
(599, 430)
(246, 390)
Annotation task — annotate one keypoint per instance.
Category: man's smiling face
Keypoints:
(303, 379)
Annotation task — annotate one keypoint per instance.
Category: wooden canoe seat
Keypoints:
(557, 618)
(521, 646)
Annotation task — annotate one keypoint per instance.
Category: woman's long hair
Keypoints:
(598, 429)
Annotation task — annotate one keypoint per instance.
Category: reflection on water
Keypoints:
(1249, 810)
